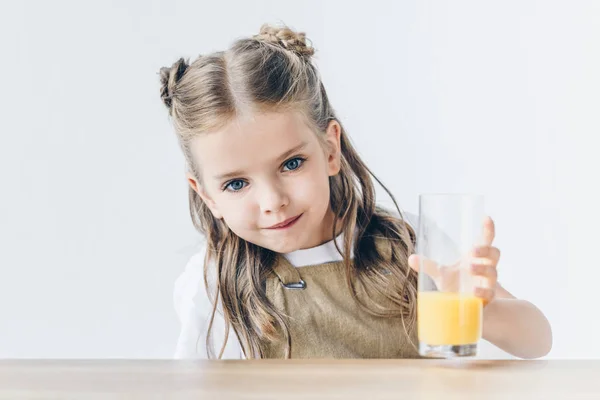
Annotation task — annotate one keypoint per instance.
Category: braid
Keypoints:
(286, 38)
(169, 77)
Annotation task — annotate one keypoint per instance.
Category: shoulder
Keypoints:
(194, 308)
(410, 218)
(426, 227)
(189, 291)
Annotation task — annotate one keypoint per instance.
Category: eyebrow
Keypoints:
(279, 159)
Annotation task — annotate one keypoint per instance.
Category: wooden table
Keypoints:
(299, 379)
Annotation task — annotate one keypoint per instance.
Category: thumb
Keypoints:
(489, 231)
(413, 262)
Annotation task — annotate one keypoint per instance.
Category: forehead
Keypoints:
(251, 142)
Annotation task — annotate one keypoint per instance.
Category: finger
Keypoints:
(485, 294)
(413, 262)
(419, 263)
(483, 261)
(487, 252)
(489, 231)
(487, 271)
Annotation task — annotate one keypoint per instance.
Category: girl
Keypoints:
(298, 260)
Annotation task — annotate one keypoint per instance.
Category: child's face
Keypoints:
(260, 171)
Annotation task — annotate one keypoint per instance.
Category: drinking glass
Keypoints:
(449, 316)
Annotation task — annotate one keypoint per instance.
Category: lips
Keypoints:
(285, 223)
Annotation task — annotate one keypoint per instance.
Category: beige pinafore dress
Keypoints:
(326, 321)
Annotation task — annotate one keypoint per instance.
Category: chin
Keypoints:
(278, 247)
(285, 244)
(287, 248)
(283, 247)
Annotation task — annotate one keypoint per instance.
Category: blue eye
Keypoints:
(235, 186)
(293, 164)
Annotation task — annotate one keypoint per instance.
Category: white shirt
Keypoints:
(194, 308)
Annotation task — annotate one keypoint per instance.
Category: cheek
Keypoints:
(312, 190)
(237, 214)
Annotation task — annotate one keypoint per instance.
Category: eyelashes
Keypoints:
(291, 165)
(231, 186)
(296, 162)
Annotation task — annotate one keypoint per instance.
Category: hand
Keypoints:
(482, 263)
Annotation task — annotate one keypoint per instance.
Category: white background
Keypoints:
(500, 98)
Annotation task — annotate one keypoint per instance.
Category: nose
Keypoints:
(272, 198)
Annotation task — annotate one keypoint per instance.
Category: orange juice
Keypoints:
(448, 318)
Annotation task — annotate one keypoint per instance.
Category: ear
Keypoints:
(333, 136)
(200, 190)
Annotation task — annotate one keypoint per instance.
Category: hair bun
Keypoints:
(169, 77)
(286, 38)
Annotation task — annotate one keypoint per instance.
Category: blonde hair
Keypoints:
(273, 71)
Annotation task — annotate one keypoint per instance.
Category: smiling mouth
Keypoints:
(287, 223)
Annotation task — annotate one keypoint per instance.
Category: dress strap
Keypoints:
(288, 274)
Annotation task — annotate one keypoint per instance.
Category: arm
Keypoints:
(193, 308)
(516, 326)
